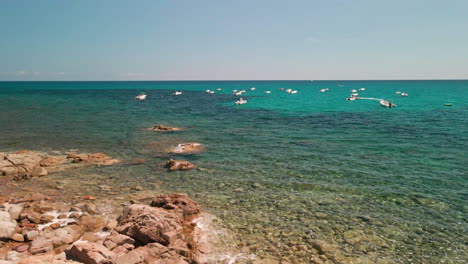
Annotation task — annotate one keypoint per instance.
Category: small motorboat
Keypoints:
(404, 94)
(353, 90)
(398, 92)
(234, 91)
(281, 89)
(219, 89)
(252, 89)
(268, 92)
(362, 89)
(387, 103)
(211, 92)
(324, 90)
(241, 101)
(237, 93)
(207, 91)
(288, 90)
(293, 92)
(177, 93)
(141, 97)
(354, 94)
(351, 98)
(448, 104)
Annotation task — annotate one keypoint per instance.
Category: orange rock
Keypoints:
(52, 161)
(89, 197)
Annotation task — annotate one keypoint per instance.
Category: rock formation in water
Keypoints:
(26, 164)
(163, 128)
(179, 165)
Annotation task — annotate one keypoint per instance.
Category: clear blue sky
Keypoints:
(233, 40)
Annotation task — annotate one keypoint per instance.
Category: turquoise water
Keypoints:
(284, 170)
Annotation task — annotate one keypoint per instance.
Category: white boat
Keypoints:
(237, 93)
(386, 103)
(177, 93)
(288, 90)
(362, 89)
(353, 91)
(140, 97)
(242, 91)
(234, 91)
(324, 90)
(293, 92)
(268, 92)
(211, 92)
(398, 92)
(252, 89)
(404, 94)
(208, 91)
(354, 94)
(351, 98)
(241, 101)
(219, 89)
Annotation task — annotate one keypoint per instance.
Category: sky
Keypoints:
(233, 40)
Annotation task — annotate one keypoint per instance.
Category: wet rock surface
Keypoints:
(187, 148)
(179, 165)
(163, 128)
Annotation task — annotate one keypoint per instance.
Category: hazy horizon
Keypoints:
(107, 40)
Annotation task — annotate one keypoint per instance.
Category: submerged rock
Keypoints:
(188, 148)
(179, 165)
(163, 128)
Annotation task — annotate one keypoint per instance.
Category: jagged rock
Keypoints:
(179, 165)
(25, 161)
(181, 203)
(60, 236)
(91, 253)
(111, 224)
(149, 224)
(116, 239)
(7, 168)
(7, 225)
(188, 148)
(31, 235)
(41, 245)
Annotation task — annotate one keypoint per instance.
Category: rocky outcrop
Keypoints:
(26, 164)
(179, 165)
(163, 128)
(187, 148)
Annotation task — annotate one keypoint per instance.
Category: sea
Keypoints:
(290, 175)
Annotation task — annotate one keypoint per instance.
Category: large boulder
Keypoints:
(7, 225)
(179, 165)
(6, 167)
(24, 160)
(154, 253)
(52, 161)
(148, 224)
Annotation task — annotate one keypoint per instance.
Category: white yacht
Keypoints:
(386, 103)
(398, 92)
(241, 101)
(177, 93)
(362, 89)
(324, 90)
(252, 89)
(268, 92)
(404, 94)
(141, 97)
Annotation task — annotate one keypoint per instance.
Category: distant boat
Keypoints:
(177, 93)
(211, 92)
(252, 89)
(141, 97)
(398, 92)
(354, 91)
(268, 92)
(448, 104)
(351, 98)
(362, 89)
(288, 90)
(293, 92)
(237, 93)
(324, 90)
(241, 101)
(208, 91)
(354, 94)
(387, 103)
(281, 89)
(219, 89)
(404, 94)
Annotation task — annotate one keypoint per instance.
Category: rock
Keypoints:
(15, 210)
(163, 128)
(41, 245)
(90, 207)
(95, 158)
(188, 148)
(91, 237)
(21, 248)
(31, 235)
(62, 216)
(17, 237)
(45, 218)
(116, 239)
(179, 165)
(55, 225)
(25, 161)
(91, 253)
(92, 223)
(137, 188)
(7, 225)
(6, 167)
(75, 215)
(149, 224)
(52, 161)
(39, 172)
(14, 256)
(111, 224)
(181, 203)
(58, 237)
(152, 253)
(137, 161)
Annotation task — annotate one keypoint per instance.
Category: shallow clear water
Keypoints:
(283, 170)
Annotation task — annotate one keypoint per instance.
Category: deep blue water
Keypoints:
(311, 164)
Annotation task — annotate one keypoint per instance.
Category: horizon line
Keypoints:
(227, 80)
